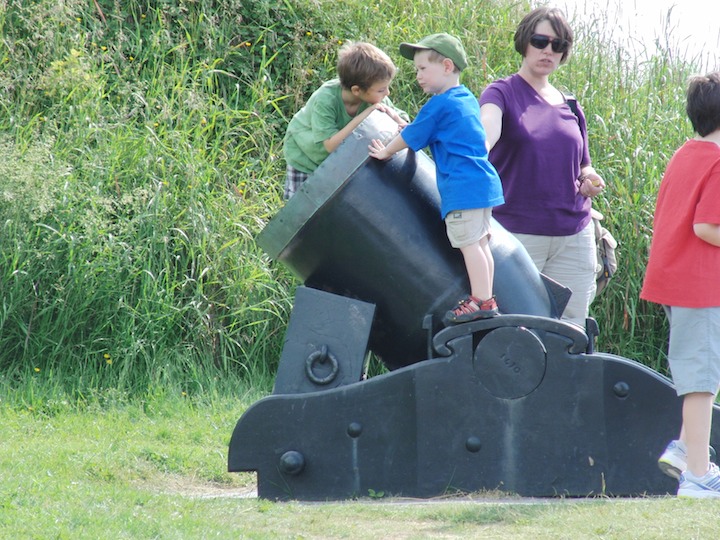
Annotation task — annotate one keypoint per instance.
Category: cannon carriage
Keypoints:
(521, 402)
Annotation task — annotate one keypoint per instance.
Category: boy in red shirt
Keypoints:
(682, 275)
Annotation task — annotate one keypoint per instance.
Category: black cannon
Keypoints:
(520, 402)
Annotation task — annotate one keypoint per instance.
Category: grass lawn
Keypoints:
(158, 470)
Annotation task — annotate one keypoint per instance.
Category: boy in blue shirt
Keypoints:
(337, 108)
(469, 186)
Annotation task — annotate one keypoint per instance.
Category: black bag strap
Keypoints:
(571, 101)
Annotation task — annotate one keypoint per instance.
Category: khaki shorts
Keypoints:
(465, 227)
(694, 352)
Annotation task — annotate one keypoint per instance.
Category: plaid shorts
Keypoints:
(293, 180)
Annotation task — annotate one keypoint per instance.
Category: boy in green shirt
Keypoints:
(337, 108)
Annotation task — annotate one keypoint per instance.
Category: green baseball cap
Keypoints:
(447, 45)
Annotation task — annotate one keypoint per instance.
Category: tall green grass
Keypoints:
(140, 154)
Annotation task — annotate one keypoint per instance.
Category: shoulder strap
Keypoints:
(571, 100)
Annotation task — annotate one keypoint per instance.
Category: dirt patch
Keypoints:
(243, 488)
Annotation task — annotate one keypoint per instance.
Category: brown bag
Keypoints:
(606, 256)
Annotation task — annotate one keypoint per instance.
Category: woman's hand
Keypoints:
(590, 183)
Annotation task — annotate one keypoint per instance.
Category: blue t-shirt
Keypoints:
(449, 123)
(539, 156)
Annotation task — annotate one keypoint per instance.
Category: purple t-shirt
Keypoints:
(539, 157)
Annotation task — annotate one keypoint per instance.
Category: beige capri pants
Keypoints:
(571, 261)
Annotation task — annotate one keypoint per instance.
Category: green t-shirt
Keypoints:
(322, 117)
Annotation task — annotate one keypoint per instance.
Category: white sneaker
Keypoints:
(703, 487)
(673, 461)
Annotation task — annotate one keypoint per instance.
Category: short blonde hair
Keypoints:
(363, 64)
(438, 58)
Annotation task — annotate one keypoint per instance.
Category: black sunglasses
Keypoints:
(558, 45)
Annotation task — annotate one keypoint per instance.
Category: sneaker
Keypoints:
(470, 309)
(703, 487)
(673, 461)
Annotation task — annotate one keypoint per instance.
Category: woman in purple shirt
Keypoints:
(539, 146)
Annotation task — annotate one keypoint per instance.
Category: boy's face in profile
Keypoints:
(375, 93)
(432, 76)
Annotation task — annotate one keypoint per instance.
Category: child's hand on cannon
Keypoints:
(395, 116)
(378, 150)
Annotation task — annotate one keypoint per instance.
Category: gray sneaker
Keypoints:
(703, 487)
(673, 461)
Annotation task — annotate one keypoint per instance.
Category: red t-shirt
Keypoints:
(684, 270)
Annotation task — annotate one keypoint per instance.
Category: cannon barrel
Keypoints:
(372, 230)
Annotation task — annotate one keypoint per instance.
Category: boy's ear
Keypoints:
(355, 89)
(449, 65)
